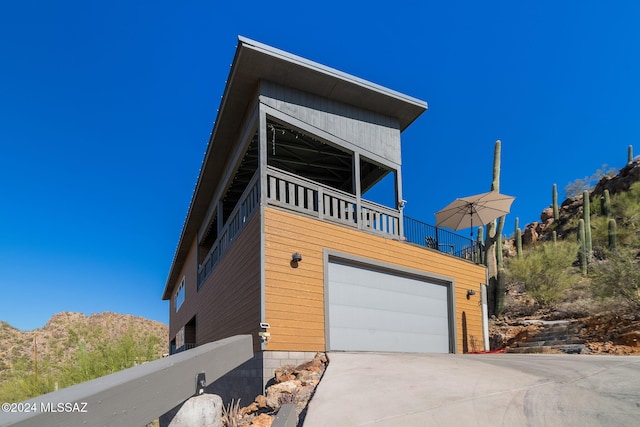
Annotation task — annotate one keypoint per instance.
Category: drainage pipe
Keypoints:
(485, 316)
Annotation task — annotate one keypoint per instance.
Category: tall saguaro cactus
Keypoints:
(492, 240)
(480, 245)
(605, 201)
(582, 248)
(630, 154)
(612, 231)
(517, 236)
(554, 201)
(586, 215)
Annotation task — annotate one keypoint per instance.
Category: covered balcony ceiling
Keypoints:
(304, 155)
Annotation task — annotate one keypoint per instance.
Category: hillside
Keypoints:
(72, 347)
(602, 299)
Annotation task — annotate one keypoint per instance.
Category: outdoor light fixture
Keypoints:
(470, 292)
(296, 257)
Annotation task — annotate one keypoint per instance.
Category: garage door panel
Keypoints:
(371, 310)
(350, 317)
(389, 341)
(388, 300)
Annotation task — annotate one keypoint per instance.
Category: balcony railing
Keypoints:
(309, 197)
(247, 204)
(445, 241)
(302, 195)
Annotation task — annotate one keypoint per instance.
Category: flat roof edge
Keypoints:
(272, 51)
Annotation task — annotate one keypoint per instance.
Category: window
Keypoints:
(179, 298)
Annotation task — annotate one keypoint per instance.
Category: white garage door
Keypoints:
(372, 310)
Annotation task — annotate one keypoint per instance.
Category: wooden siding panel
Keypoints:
(187, 310)
(370, 131)
(228, 302)
(294, 296)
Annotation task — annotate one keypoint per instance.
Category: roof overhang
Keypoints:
(252, 63)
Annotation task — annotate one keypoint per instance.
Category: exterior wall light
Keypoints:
(470, 292)
(296, 257)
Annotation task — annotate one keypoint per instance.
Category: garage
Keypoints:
(372, 309)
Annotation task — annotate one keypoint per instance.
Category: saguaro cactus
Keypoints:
(480, 245)
(492, 240)
(586, 215)
(612, 230)
(582, 250)
(630, 154)
(554, 202)
(554, 237)
(517, 237)
(605, 203)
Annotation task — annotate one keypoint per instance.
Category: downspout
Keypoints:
(485, 316)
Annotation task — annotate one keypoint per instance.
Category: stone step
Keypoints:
(550, 337)
(552, 342)
(568, 349)
(530, 350)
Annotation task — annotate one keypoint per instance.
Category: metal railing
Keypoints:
(134, 396)
(442, 240)
(299, 194)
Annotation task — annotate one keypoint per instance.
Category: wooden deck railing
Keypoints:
(247, 204)
(295, 193)
(302, 195)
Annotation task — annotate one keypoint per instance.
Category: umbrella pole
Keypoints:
(472, 223)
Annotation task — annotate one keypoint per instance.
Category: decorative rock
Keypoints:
(203, 410)
(261, 400)
(250, 409)
(298, 386)
(262, 420)
(281, 393)
(285, 373)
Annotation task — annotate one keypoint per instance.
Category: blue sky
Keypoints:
(106, 110)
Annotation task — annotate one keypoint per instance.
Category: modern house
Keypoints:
(281, 242)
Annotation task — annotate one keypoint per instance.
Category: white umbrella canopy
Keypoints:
(467, 212)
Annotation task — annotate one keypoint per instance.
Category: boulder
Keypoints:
(530, 234)
(203, 410)
(546, 215)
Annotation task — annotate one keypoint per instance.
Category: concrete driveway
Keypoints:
(400, 389)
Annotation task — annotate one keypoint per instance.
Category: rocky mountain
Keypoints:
(66, 333)
(604, 325)
(571, 208)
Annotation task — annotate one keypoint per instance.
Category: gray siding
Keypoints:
(370, 132)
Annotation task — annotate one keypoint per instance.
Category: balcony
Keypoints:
(308, 197)
(302, 195)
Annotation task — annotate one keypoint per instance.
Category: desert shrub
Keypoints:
(103, 358)
(231, 414)
(546, 270)
(587, 183)
(618, 277)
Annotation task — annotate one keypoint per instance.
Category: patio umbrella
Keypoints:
(465, 212)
